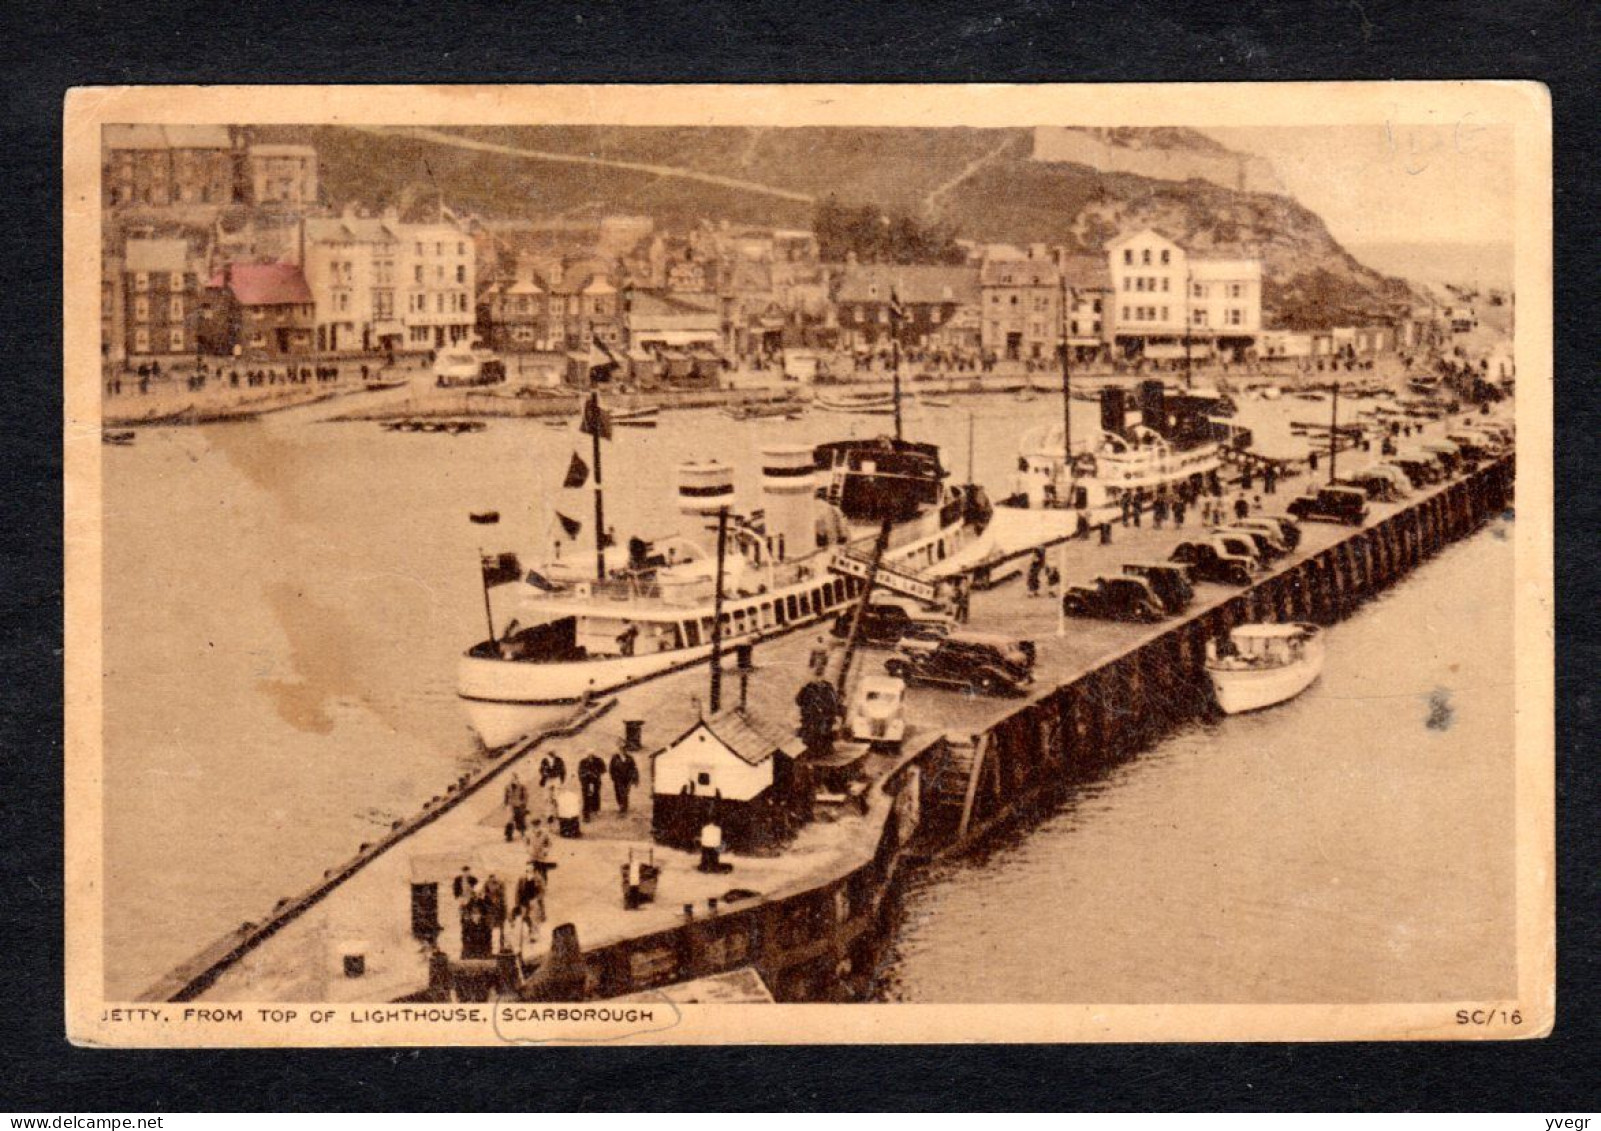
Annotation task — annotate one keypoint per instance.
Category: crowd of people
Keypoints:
(495, 918)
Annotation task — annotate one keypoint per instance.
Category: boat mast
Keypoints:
(1334, 428)
(716, 696)
(600, 507)
(1067, 374)
(895, 315)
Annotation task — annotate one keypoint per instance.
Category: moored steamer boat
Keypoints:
(566, 635)
(1175, 442)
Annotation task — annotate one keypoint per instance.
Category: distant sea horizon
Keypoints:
(1483, 264)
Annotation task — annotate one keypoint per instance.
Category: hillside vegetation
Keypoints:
(977, 184)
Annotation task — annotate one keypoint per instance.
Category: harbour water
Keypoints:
(284, 604)
(1354, 844)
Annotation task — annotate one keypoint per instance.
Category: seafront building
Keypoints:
(1167, 297)
(161, 298)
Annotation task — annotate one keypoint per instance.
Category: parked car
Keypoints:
(1264, 540)
(1332, 504)
(878, 710)
(1375, 482)
(1289, 531)
(886, 621)
(1209, 562)
(1168, 580)
(1446, 453)
(966, 661)
(1475, 446)
(1240, 543)
(1419, 467)
(1114, 598)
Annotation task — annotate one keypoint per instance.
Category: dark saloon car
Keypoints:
(966, 661)
(1114, 598)
(1209, 562)
(1168, 580)
(885, 623)
(1332, 504)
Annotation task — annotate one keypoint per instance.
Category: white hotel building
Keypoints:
(379, 284)
(1164, 296)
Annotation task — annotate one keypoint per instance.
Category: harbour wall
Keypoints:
(821, 940)
(948, 792)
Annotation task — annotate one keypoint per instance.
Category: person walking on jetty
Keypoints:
(569, 814)
(465, 885)
(552, 769)
(591, 770)
(1241, 508)
(1270, 479)
(517, 802)
(624, 776)
(495, 907)
(1036, 566)
(819, 708)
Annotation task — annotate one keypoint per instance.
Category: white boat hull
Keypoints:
(1239, 690)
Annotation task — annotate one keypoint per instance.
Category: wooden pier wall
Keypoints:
(824, 943)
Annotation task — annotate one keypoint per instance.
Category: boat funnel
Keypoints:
(789, 499)
(1114, 411)
(703, 489)
(1153, 406)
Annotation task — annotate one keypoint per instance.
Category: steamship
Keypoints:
(568, 636)
(1174, 440)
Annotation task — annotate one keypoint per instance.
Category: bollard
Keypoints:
(633, 734)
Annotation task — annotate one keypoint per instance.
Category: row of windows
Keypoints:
(1145, 282)
(141, 280)
(1145, 257)
(141, 308)
(141, 341)
(557, 306)
(1233, 316)
(1145, 314)
(457, 303)
(439, 248)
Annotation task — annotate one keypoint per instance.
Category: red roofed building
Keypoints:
(264, 309)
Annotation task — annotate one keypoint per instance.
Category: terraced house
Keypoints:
(161, 298)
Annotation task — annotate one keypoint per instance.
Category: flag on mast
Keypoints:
(570, 526)
(500, 569)
(577, 473)
(897, 310)
(595, 422)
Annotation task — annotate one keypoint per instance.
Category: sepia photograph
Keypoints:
(808, 564)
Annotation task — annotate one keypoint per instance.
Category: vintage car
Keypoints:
(1208, 561)
(1332, 504)
(1265, 540)
(1379, 483)
(1446, 453)
(886, 621)
(1114, 598)
(1420, 468)
(1475, 446)
(878, 710)
(1286, 530)
(968, 661)
(1168, 580)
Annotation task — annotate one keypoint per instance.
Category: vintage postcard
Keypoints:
(808, 564)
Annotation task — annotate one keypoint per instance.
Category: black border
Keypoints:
(74, 44)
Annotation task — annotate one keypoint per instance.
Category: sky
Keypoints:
(1400, 183)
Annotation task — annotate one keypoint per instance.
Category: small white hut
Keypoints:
(735, 768)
